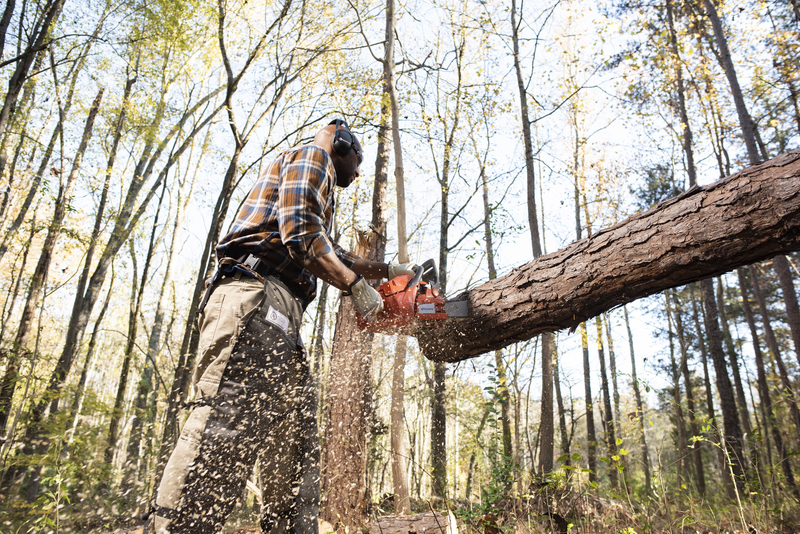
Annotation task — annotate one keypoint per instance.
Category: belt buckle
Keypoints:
(252, 262)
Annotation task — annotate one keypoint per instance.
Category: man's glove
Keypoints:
(397, 269)
(367, 300)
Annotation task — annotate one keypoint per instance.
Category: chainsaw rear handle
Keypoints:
(428, 271)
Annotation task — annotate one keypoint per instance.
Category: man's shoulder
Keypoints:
(312, 152)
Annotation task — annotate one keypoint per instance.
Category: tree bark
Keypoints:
(344, 460)
(706, 231)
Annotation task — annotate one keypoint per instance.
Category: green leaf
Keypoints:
(624, 452)
(604, 459)
(619, 441)
(562, 458)
(615, 458)
(593, 484)
(576, 457)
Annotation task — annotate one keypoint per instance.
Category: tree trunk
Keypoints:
(706, 231)
(734, 360)
(687, 131)
(687, 380)
(745, 121)
(680, 461)
(772, 345)
(74, 413)
(562, 417)
(344, 459)
(715, 433)
(608, 411)
(639, 404)
(733, 433)
(763, 387)
(784, 272)
(591, 435)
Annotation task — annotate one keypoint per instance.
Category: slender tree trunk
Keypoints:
(763, 387)
(745, 121)
(4, 22)
(699, 473)
(612, 360)
(772, 345)
(74, 413)
(591, 436)
(732, 354)
(402, 503)
(547, 427)
(472, 456)
(676, 398)
(687, 131)
(608, 411)
(733, 433)
(562, 418)
(781, 265)
(639, 404)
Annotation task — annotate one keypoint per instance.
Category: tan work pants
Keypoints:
(254, 401)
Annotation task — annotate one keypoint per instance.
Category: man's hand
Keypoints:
(368, 302)
(398, 269)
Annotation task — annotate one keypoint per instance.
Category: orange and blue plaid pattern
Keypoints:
(287, 216)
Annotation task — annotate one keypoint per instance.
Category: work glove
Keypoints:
(397, 269)
(367, 300)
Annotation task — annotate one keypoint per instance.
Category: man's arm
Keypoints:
(331, 269)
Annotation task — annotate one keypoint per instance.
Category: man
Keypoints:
(254, 396)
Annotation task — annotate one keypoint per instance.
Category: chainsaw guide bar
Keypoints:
(413, 303)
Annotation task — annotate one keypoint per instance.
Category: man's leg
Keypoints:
(260, 385)
(289, 464)
(228, 310)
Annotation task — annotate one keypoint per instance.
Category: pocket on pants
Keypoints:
(227, 313)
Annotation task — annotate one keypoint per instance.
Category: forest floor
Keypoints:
(572, 513)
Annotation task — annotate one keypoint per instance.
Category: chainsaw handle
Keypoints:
(429, 273)
(415, 279)
(426, 271)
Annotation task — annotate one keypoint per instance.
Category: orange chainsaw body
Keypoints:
(406, 307)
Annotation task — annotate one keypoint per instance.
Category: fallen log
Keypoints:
(748, 217)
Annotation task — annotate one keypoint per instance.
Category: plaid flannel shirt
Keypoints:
(287, 216)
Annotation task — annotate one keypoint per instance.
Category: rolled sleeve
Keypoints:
(348, 258)
(302, 199)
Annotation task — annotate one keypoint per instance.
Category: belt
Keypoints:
(254, 264)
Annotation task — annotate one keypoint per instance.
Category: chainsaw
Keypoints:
(412, 302)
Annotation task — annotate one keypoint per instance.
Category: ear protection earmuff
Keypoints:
(342, 139)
